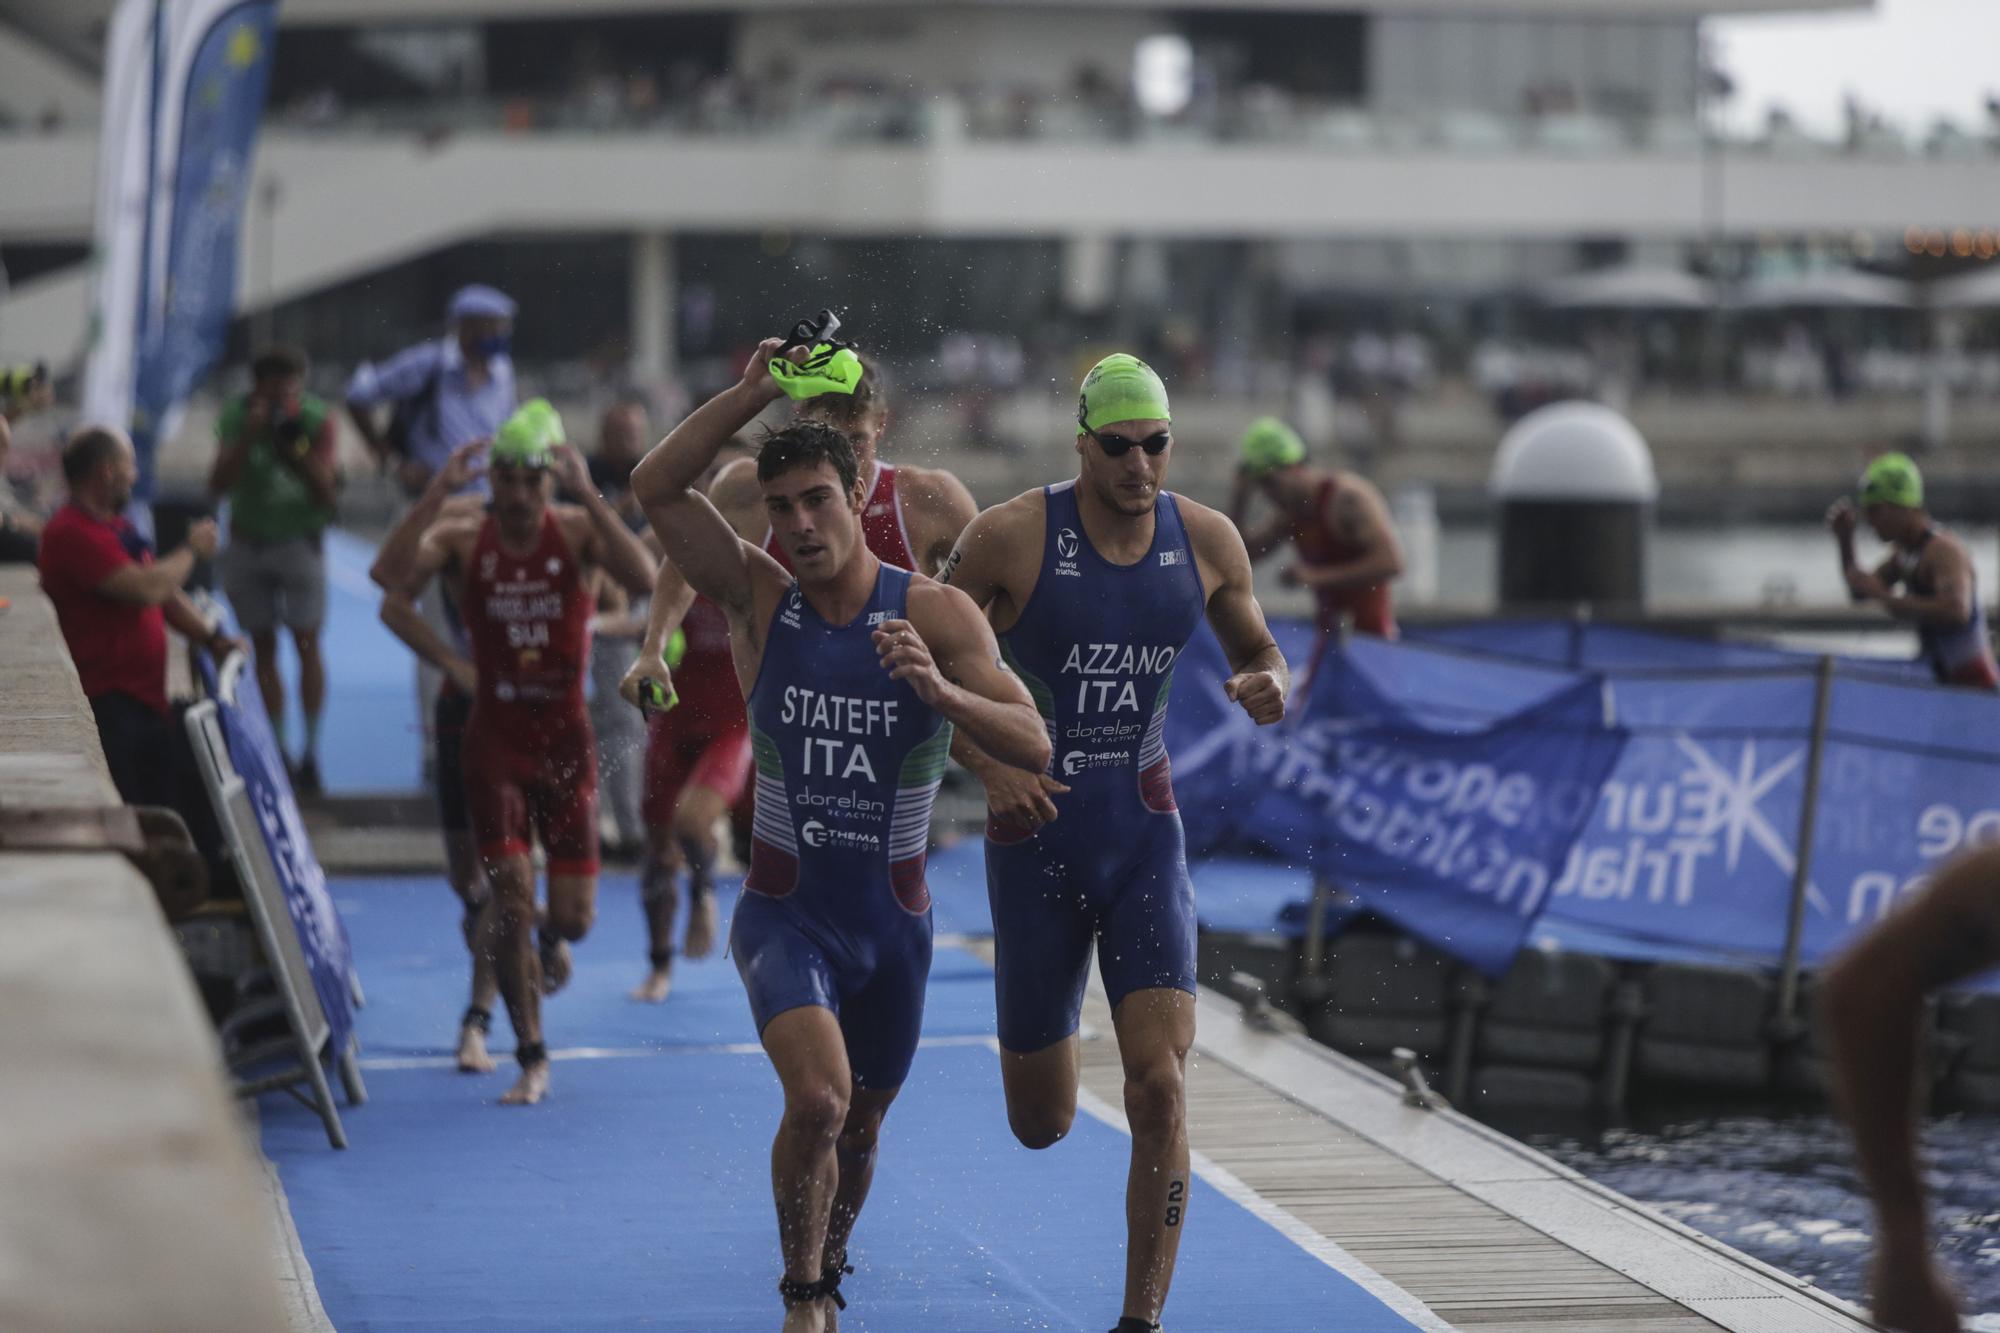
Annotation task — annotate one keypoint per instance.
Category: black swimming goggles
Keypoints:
(1117, 446)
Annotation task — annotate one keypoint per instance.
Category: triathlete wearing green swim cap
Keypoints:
(1932, 567)
(529, 437)
(1346, 545)
(1095, 583)
(1121, 387)
(1892, 479)
(523, 573)
(1270, 444)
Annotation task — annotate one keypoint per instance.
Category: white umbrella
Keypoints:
(1826, 289)
(1972, 292)
(1629, 287)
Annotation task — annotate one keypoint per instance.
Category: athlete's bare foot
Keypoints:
(656, 985)
(530, 1088)
(702, 920)
(472, 1056)
(555, 964)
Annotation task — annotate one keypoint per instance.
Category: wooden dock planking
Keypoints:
(1464, 1226)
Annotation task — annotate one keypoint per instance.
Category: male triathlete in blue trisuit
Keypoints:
(855, 674)
(1094, 586)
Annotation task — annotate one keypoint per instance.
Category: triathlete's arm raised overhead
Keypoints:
(697, 539)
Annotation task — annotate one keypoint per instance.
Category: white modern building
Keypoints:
(625, 161)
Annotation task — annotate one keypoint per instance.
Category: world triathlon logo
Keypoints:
(1066, 544)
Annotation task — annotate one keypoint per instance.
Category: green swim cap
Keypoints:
(1270, 444)
(529, 437)
(1893, 479)
(1121, 387)
(828, 368)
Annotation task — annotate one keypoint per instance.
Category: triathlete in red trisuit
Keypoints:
(1336, 521)
(524, 573)
(697, 755)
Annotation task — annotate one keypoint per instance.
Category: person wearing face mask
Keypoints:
(443, 393)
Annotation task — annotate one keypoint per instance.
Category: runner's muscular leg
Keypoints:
(1041, 1092)
(461, 859)
(855, 1153)
(1155, 1029)
(519, 970)
(659, 900)
(810, 1056)
(572, 905)
(694, 833)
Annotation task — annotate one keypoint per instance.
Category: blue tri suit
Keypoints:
(835, 911)
(1096, 646)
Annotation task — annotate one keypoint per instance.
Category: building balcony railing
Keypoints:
(726, 108)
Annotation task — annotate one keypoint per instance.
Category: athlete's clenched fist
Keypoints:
(1260, 693)
(905, 657)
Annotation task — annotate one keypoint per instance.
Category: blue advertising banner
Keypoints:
(1693, 843)
(1695, 839)
(185, 83)
(1457, 836)
(253, 752)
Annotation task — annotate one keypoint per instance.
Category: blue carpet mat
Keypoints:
(638, 1195)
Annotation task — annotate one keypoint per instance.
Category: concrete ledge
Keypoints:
(131, 1197)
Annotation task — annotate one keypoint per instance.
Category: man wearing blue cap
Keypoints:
(445, 392)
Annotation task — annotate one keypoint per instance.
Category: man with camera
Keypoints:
(276, 463)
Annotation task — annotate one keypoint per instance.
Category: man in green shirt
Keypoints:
(276, 464)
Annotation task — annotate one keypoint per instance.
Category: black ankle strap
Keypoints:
(661, 957)
(830, 1276)
(1127, 1324)
(532, 1053)
(476, 1017)
(828, 1286)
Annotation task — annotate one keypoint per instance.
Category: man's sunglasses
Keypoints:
(1117, 446)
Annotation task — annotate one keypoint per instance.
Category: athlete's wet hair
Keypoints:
(849, 410)
(805, 444)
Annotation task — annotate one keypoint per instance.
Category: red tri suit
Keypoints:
(529, 757)
(704, 740)
(1368, 606)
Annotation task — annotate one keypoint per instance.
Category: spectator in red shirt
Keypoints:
(114, 602)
